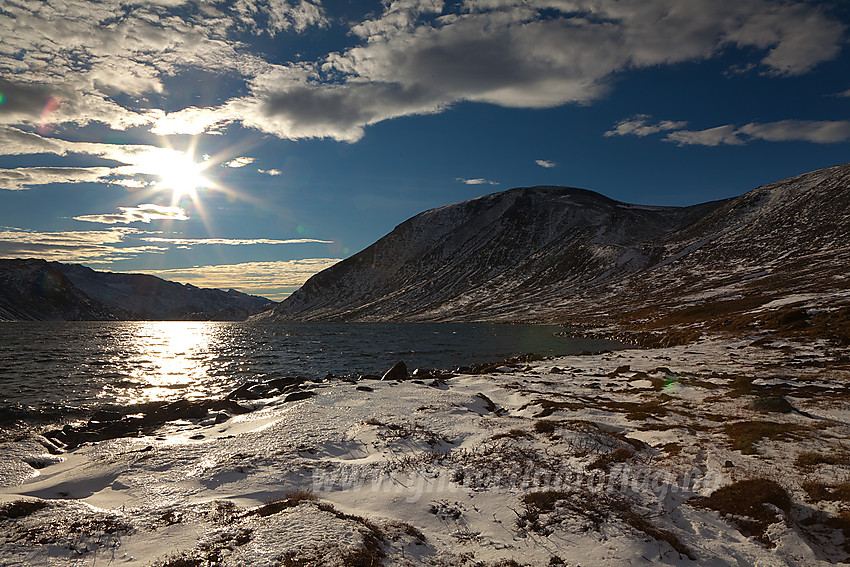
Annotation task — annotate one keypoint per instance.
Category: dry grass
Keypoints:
(604, 462)
(819, 491)
(593, 507)
(640, 523)
(807, 461)
(745, 434)
(512, 434)
(291, 500)
(546, 426)
(544, 501)
(672, 448)
(407, 529)
(744, 502)
(21, 508)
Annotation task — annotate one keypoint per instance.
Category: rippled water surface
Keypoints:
(50, 368)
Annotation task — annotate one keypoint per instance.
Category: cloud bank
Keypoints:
(274, 280)
(107, 61)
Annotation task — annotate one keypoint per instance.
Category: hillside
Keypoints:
(150, 297)
(560, 254)
(36, 290)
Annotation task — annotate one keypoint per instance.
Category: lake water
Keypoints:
(52, 371)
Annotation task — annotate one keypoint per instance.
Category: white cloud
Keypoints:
(638, 126)
(719, 135)
(143, 213)
(476, 181)
(281, 15)
(235, 241)
(514, 56)
(545, 163)
(65, 62)
(22, 178)
(240, 162)
(191, 121)
(78, 246)
(272, 172)
(814, 131)
(138, 161)
(274, 280)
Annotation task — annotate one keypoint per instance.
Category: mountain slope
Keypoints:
(560, 254)
(454, 261)
(36, 290)
(149, 297)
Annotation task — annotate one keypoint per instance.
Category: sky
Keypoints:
(249, 144)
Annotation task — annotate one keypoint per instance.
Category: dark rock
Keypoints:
(266, 389)
(365, 389)
(282, 383)
(137, 419)
(619, 370)
(296, 396)
(488, 403)
(243, 392)
(729, 464)
(775, 404)
(397, 372)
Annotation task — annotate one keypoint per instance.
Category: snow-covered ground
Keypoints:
(582, 460)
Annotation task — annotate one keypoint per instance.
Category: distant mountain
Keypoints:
(33, 290)
(39, 290)
(561, 254)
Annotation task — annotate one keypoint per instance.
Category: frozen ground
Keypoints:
(584, 460)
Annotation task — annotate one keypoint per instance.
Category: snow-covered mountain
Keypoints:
(34, 290)
(39, 290)
(561, 254)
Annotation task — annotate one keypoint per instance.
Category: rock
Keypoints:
(488, 403)
(776, 404)
(297, 396)
(365, 389)
(243, 392)
(138, 418)
(397, 372)
(619, 370)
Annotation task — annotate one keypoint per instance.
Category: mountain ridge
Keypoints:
(38, 290)
(567, 255)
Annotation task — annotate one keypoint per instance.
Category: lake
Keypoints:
(51, 371)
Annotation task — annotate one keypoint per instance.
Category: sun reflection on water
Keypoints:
(170, 356)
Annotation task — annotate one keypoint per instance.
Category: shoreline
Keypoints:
(590, 460)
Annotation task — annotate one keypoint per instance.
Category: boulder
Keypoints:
(775, 404)
(297, 396)
(397, 372)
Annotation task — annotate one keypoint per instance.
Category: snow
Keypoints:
(436, 457)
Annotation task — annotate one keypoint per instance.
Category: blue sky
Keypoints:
(251, 143)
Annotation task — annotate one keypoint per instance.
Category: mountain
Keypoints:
(151, 298)
(39, 290)
(559, 254)
(33, 290)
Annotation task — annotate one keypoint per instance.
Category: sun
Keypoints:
(182, 175)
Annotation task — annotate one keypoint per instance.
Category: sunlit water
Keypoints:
(49, 371)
